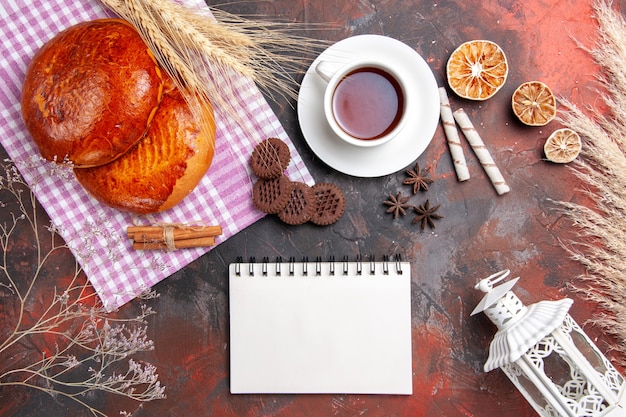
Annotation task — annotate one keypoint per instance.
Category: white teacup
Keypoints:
(365, 102)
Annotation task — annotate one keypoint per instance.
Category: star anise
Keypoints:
(426, 215)
(418, 179)
(397, 204)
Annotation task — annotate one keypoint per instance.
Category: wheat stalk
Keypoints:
(601, 229)
(206, 54)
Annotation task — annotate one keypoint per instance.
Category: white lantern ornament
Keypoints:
(547, 356)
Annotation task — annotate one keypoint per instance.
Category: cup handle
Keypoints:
(323, 73)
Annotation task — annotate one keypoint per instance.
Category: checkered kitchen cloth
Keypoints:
(96, 234)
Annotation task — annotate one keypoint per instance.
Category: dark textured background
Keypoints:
(481, 233)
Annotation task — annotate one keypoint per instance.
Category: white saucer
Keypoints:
(411, 141)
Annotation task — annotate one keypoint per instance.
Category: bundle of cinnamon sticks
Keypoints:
(171, 237)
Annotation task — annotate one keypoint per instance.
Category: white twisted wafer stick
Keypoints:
(452, 136)
(481, 152)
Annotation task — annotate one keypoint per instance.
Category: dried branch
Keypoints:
(71, 346)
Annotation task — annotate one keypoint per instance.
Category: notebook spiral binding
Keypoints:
(317, 265)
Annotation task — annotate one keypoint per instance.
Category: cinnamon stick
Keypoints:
(151, 233)
(170, 237)
(177, 244)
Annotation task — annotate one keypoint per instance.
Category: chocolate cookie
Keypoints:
(301, 206)
(270, 158)
(272, 195)
(331, 203)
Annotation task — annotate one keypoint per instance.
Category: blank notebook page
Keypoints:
(315, 332)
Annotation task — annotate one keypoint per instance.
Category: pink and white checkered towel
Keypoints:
(96, 234)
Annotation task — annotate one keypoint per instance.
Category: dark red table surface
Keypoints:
(480, 234)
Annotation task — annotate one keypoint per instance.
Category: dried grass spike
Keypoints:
(601, 228)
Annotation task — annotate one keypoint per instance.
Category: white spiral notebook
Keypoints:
(320, 327)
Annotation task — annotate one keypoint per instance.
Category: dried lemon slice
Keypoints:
(562, 146)
(477, 69)
(534, 104)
